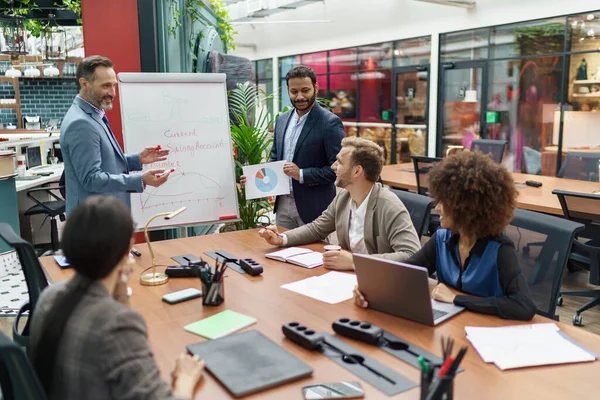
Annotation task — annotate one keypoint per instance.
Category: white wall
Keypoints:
(358, 22)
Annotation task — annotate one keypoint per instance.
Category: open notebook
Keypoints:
(296, 255)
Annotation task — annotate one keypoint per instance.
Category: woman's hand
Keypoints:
(186, 375)
(359, 299)
(444, 294)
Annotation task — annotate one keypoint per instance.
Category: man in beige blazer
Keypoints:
(367, 217)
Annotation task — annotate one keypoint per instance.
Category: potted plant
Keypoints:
(252, 142)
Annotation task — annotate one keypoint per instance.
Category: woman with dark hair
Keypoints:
(85, 342)
(476, 199)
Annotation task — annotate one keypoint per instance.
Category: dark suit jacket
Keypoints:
(318, 144)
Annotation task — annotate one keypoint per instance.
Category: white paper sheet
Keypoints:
(525, 346)
(333, 287)
(264, 180)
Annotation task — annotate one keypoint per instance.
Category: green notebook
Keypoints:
(221, 324)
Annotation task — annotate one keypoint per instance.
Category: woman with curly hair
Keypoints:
(476, 199)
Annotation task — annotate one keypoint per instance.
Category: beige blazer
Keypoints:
(389, 232)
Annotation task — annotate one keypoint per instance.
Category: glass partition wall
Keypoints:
(380, 92)
(535, 84)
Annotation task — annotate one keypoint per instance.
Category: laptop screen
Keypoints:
(34, 156)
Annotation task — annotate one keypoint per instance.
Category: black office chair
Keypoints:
(419, 207)
(581, 166)
(34, 276)
(583, 208)
(422, 165)
(493, 148)
(18, 379)
(544, 269)
(52, 209)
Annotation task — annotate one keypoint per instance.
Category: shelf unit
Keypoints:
(17, 105)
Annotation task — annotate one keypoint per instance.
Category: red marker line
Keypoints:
(228, 217)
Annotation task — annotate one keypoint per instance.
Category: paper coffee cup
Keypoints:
(332, 247)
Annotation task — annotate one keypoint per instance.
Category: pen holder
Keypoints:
(214, 293)
(435, 388)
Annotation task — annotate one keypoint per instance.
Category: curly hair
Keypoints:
(478, 194)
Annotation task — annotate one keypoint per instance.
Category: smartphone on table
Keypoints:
(181, 295)
(336, 390)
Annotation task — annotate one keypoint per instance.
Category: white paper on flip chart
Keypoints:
(333, 287)
(525, 346)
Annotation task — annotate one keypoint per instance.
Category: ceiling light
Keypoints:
(590, 17)
(397, 52)
(581, 39)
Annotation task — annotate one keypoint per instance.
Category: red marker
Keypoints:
(165, 173)
(158, 148)
(228, 217)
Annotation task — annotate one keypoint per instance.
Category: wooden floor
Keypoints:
(591, 318)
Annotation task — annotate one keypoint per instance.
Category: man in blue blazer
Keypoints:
(94, 161)
(309, 138)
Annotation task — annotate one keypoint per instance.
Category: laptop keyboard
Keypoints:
(438, 314)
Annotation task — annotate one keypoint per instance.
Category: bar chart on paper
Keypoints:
(166, 110)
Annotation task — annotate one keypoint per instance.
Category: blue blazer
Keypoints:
(94, 161)
(318, 144)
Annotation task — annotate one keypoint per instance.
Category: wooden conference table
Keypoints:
(540, 199)
(262, 298)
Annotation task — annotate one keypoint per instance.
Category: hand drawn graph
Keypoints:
(182, 188)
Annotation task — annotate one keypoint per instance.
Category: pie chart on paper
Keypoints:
(266, 180)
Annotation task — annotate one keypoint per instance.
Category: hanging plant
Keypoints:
(225, 29)
(191, 9)
(25, 7)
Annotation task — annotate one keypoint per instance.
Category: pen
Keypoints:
(424, 364)
(165, 173)
(135, 252)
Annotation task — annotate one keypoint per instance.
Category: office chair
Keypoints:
(34, 276)
(581, 166)
(493, 148)
(422, 165)
(419, 207)
(545, 271)
(52, 209)
(533, 161)
(583, 208)
(18, 379)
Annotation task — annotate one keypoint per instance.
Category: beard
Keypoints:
(99, 101)
(305, 105)
(343, 180)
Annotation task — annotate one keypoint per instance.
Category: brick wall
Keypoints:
(46, 98)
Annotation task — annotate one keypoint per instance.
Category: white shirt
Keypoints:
(357, 225)
(290, 140)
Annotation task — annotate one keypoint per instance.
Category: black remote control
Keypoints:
(303, 336)
(250, 266)
(359, 330)
(180, 271)
(533, 183)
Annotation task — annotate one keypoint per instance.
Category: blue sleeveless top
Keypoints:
(480, 277)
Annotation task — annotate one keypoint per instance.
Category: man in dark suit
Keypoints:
(308, 137)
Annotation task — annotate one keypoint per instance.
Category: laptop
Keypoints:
(400, 289)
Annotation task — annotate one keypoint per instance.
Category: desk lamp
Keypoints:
(154, 279)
